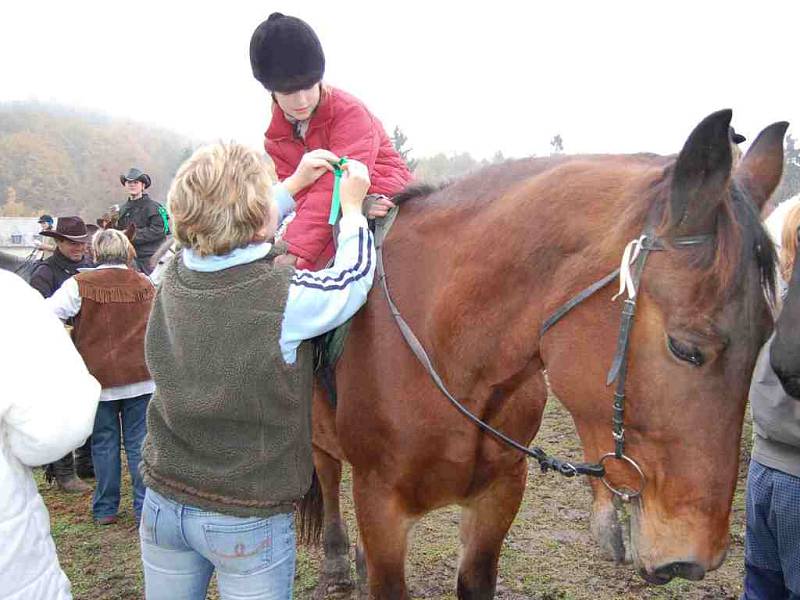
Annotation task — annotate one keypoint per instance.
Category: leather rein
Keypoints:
(630, 274)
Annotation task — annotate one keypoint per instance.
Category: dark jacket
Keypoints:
(229, 426)
(144, 214)
(50, 273)
(776, 419)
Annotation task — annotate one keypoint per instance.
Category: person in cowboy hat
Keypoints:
(144, 216)
(286, 57)
(71, 236)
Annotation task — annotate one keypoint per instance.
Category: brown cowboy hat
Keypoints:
(69, 228)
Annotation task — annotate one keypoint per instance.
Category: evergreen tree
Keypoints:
(399, 140)
(557, 144)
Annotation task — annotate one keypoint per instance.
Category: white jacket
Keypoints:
(47, 406)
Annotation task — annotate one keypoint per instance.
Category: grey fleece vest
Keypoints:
(776, 419)
(229, 426)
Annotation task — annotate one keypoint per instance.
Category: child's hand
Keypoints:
(354, 186)
(379, 208)
(313, 165)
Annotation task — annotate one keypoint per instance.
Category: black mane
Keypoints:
(417, 190)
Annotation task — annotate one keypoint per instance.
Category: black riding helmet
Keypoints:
(286, 55)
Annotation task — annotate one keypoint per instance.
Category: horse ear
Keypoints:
(761, 168)
(701, 176)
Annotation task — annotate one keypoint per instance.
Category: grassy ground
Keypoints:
(548, 553)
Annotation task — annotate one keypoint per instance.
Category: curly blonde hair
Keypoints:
(221, 198)
(791, 224)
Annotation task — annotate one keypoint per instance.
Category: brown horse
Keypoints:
(476, 267)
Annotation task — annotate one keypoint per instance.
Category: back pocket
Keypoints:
(240, 548)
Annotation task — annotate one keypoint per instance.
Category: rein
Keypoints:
(630, 273)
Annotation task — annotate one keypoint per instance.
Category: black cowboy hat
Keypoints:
(69, 228)
(135, 174)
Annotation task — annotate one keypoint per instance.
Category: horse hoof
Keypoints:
(334, 589)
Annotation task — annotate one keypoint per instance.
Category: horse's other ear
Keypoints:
(702, 173)
(761, 168)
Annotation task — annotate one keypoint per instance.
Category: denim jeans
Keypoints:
(131, 412)
(772, 538)
(183, 545)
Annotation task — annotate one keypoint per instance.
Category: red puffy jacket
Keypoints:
(343, 125)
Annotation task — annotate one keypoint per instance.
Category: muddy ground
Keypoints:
(548, 554)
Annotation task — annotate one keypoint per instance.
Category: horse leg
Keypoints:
(383, 526)
(335, 578)
(485, 520)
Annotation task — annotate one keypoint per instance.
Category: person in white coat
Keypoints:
(42, 417)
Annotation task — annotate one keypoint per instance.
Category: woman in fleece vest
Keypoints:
(228, 448)
(111, 305)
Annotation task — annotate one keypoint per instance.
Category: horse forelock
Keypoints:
(739, 241)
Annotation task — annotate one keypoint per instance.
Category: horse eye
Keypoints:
(688, 354)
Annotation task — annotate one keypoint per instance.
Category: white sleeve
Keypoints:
(66, 301)
(284, 200)
(48, 403)
(322, 300)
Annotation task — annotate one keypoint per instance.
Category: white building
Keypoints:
(19, 235)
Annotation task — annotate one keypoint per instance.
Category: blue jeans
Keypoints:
(131, 412)
(772, 539)
(182, 546)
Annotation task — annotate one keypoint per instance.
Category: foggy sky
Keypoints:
(478, 77)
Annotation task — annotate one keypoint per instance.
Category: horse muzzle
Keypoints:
(666, 573)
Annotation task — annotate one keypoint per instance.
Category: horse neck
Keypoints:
(10, 262)
(495, 261)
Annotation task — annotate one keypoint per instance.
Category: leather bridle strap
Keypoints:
(545, 461)
(577, 299)
(631, 275)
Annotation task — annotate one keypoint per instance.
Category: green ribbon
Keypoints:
(336, 202)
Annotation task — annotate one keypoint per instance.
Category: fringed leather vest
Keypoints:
(109, 329)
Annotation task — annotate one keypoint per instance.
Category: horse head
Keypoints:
(702, 314)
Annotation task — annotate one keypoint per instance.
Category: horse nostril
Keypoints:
(686, 570)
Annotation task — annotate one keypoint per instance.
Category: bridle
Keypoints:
(630, 273)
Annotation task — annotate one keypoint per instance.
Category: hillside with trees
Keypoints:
(62, 161)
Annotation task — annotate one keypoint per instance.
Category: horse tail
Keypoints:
(310, 514)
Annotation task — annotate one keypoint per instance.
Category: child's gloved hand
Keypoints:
(354, 186)
(312, 166)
